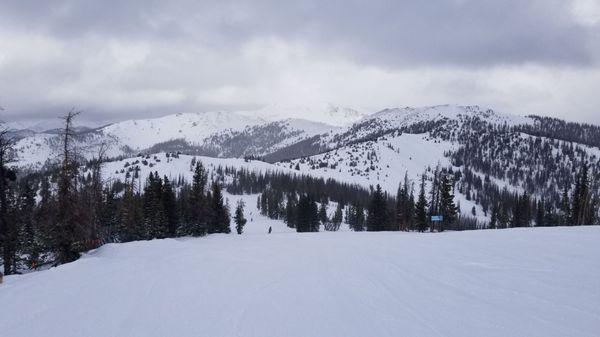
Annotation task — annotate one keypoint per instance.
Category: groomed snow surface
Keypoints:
(520, 282)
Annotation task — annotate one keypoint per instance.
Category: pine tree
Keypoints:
(581, 200)
(169, 205)
(109, 216)
(434, 205)
(290, 210)
(522, 211)
(239, 219)
(7, 176)
(264, 203)
(130, 215)
(355, 217)
(405, 206)
(410, 210)
(219, 220)
(377, 212)
(448, 209)
(494, 217)
(565, 207)
(199, 204)
(337, 218)
(540, 216)
(323, 219)
(30, 244)
(45, 215)
(307, 217)
(401, 202)
(155, 222)
(421, 208)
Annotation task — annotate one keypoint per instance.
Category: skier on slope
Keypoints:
(270, 229)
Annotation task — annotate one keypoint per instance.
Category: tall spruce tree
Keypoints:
(377, 212)
(239, 219)
(199, 204)
(581, 199)
(30, 244)
(405, 206)
(540, 215)
(290, 210)
(155, 221)
(130, 215)
(169, 205)
(355, 217)
(565, 206)
(421, 208)
(323, 218)
(7, 176)
(219, 220)
(338, 217)
(307, 217)
(447, 208)
(45, 215)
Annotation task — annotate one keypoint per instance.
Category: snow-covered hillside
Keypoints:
(518, 282)
(378, 149)
(193, 127)
(257, 132)
(34, 151)
(383, 161)
(409, 115)
(175, 167)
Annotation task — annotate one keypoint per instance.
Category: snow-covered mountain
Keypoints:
(237, 134)
(506, 151)
(220, 133)
(192, 127)
(321, 112)
(40, 126)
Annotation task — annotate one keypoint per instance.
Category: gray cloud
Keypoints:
(128, 58)
(463, 32)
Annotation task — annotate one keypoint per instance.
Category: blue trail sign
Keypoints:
(437, 218)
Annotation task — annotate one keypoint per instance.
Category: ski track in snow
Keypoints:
(519, 282)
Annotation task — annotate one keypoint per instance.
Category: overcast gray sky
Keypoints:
(118, 59)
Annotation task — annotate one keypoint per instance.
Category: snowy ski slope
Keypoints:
(521, 282)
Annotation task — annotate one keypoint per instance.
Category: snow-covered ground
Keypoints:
(521, 282)
(391, 157)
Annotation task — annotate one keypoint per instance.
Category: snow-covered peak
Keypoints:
(193, 127)
(326, 113)
(411, 115)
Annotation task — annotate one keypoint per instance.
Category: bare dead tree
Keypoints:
(68, 227)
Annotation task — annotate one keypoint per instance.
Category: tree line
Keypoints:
(52, 217)
(370, 210)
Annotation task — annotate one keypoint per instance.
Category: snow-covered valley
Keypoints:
(517, 282)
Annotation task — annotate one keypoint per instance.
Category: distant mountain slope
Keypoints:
(321, 112)
(492, 155)
(223, 134)
(193, 127)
